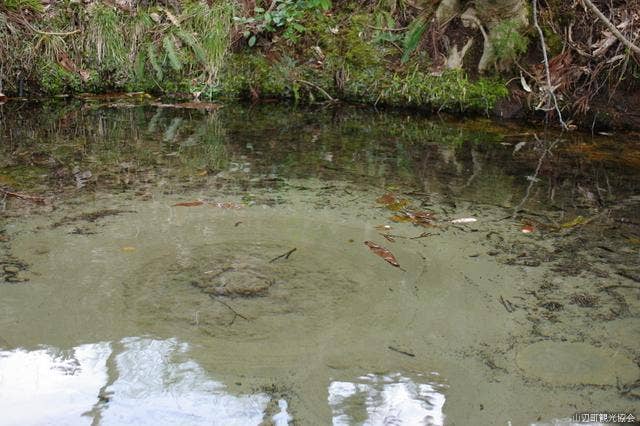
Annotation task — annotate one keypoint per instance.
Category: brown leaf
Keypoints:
(383, 253)
(189, 203)
(386, 199)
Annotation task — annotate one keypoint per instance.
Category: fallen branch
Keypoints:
(611, 27)
(32, 198)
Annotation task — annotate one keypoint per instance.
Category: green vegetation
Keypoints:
(17, 5)
(507, 41)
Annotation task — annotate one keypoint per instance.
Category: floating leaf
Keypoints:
(527, 229)
(423, 218)
(401, 218)
(383, 253)
(128, 248)
(386, 199)
(189, 203)
(392, 203)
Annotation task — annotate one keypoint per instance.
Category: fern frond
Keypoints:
(194, 44)
(153, 60)
(170, 49)
(413, 37)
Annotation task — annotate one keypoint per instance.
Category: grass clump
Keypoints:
(17, 5)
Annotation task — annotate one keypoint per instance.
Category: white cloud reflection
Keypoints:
(386, 400)
(151, 385)
(141, 381)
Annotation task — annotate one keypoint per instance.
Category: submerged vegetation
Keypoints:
(481, 56)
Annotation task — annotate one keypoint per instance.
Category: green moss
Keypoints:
(55, 80)
(245, 73)
(553, 41)
(452, 91)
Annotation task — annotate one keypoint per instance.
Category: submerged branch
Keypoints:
(285, 255)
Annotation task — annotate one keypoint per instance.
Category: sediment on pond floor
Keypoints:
(480, 58)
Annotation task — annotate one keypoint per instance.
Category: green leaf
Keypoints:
(413, 37)
(296, 26)
(252, 41)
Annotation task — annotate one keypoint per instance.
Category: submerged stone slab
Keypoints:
(566, 363)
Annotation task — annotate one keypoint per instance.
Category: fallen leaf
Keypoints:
(465, 220)
(579, 220)
(189, 203)
(527, 229)
(401, 218)
(393, 203)
(383, 253)
(386, 199)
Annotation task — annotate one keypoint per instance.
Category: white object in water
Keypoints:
(282, 418)
(465, 220)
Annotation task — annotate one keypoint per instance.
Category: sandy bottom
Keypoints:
(156, 314)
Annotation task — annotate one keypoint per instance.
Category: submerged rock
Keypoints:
(566, 363)
(241, 276)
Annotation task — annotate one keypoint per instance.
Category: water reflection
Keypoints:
(135, 381)
(142, 381)
(49, 386)
(386, 400)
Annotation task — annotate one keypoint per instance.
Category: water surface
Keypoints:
(158, 283)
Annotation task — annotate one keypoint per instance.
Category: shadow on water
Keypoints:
(230, 243)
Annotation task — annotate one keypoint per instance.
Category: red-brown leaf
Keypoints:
(383, 253)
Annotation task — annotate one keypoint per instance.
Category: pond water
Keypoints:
(193, 267)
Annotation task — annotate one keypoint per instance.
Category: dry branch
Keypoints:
(611, 27)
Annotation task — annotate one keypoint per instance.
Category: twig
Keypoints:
(535, 176)
(424, 234)
(320, 89)
(35, 199)
(235, 313)
(507, 305)
(611, 27)
(401, 351)
(546, 65)
(619, 286)
(285, 255)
